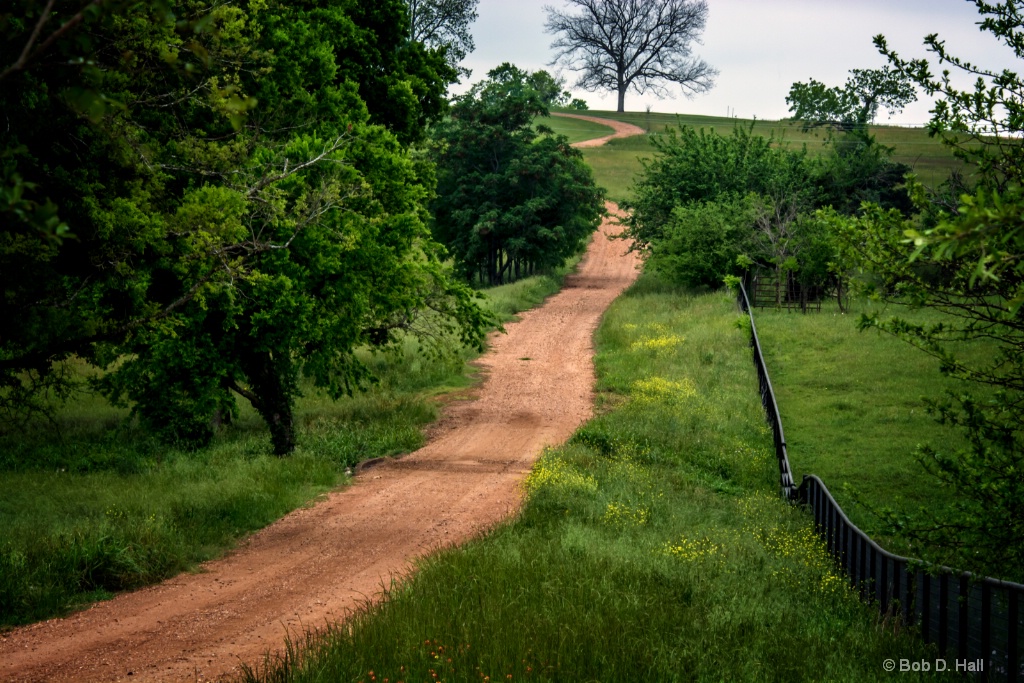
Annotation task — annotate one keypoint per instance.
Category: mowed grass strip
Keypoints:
(91, 505)
(577, 130)
(651, 547)
(853, 408)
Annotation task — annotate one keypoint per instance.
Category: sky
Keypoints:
(760, 48)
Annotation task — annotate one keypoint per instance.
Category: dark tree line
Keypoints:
(511, 198)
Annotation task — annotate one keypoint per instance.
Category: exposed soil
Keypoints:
(318, 563)
(622, 130)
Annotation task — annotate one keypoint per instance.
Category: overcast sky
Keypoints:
(760, 48)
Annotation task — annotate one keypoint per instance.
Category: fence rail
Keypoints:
(977, 620)
(771, 408)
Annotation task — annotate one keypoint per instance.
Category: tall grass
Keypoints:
(91, 505)
(652, 546)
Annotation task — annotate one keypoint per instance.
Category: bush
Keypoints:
(701, 242)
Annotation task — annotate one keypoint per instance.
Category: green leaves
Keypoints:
(967, 267)
(509, 200)
(855, 104)
(701, 244)
(241, 215)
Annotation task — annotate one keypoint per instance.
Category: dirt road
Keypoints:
(317, 563)
(622, 129)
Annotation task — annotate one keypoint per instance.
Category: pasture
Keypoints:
(617, 163)
(854, 411)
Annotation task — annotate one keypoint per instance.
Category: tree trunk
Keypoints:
(272, 399)
(778, 286)
(622, 99)
(492, 257)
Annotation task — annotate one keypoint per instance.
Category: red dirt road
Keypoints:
(318, 563)
(622, 129)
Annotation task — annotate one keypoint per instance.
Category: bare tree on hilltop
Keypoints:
(638, 44)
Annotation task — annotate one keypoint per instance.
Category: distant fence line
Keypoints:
(977, 619)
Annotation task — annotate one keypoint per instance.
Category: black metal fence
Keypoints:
(977, 621)
(771, 408)
(771, 289)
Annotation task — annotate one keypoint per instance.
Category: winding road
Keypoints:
(318, 563)
(621, 129)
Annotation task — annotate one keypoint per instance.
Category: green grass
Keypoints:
(652, 546)
(853, 409)
(576, 130)
(91, 505)
(616, 163)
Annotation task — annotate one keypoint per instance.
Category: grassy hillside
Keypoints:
(576, 130)
(615, 164)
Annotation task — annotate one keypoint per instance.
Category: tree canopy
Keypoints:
(706, 202)
(510, 198)
(620, 45)
(854, 105)
(215, 200)
(443, 24)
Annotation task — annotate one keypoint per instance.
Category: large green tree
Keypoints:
(511, 198)
(444, 24)
(853, 105)
(242, 207)
(856, 168)
(708, 206)
(693, 166)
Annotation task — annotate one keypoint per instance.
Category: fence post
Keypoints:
(962, 625)
(943, 612)
(926, 605)
(1012, 651)
(986, 629)
(883, 584)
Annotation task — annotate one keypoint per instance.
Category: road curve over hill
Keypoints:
(622, 129)
(318, 563)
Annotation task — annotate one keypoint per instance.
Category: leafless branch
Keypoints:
(28, 53)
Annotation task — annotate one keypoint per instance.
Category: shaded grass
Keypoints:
(90, 504)
(506, 301)
(652, 546)
(853, 408)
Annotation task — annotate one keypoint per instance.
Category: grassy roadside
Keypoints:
(652, 546)
(91, 505)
